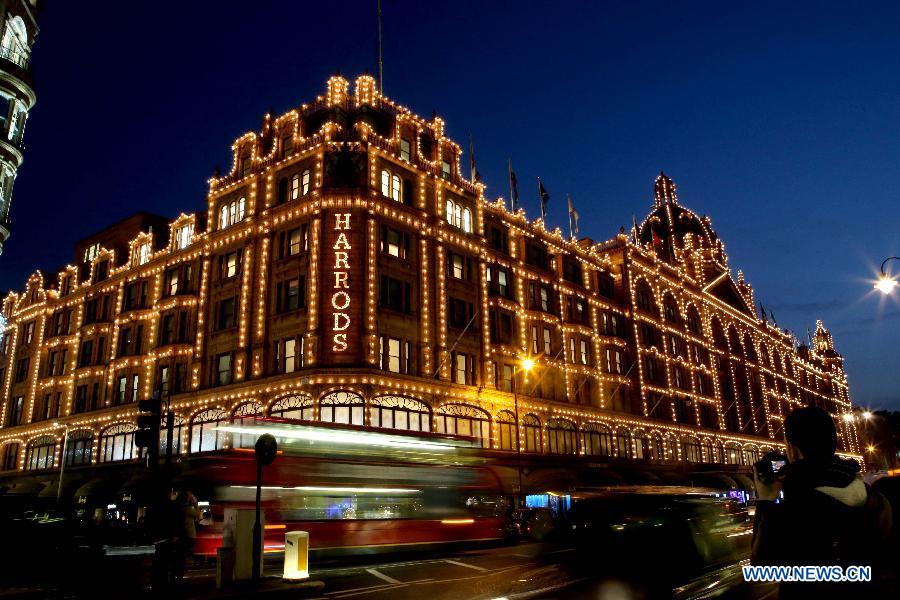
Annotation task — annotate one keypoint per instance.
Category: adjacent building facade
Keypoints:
(18, 18)
(347, 272)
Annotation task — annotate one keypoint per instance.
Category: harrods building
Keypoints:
(346, 271)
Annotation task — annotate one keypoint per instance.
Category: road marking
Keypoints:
(462, 564)
(382, 576)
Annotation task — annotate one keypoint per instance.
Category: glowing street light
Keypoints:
(527, 364)
(848, 417)
(886, 283)
(867, 415)
(870, 448)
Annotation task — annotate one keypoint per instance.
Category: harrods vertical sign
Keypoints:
(342, 287)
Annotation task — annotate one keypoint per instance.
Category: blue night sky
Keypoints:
(780, 122)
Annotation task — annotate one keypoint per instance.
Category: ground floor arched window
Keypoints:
(732, 454)
(671, 448)
(245, 415)
(296, 407)
(657, 450)
(177, 432)
(597, 439)
(462, 419)
(623, 443)
(344, 407)
(506, 429)
(561, 437)
(400, 412)
(641, 445)
(39, 453)
(708, 455)
(117, 443)
(532, 427)
(690, 449)
(79, 448)
(751, 455)
(205, 433)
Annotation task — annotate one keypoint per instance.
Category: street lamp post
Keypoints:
(886, 283)
(62, 464)
(527, 365)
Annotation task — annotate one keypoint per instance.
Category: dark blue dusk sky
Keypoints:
(780, 122)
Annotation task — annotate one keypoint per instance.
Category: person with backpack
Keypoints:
(827, 515)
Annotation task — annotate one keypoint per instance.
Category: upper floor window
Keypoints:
(394, 243)
(183, 236)
(15, 46)
(498, 239)
(391, 186)
(287, 145)
(459, 216)
(446, 171)
(499, 280)
(28, 332)
(91, 252)
(232, 212)
(404, 149)
(230, 264)
(142, 254)
(300, 184)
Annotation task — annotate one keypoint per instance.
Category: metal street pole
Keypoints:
(62, 466)
(515, 387)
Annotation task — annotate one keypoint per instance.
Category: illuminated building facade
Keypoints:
(347, 272)
(16, 94)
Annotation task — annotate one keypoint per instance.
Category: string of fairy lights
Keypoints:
(252, 182)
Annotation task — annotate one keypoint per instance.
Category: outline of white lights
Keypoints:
(340, 490)
(341, 437)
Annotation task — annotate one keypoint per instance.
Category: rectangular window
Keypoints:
(394, 294)
(172, 282)
(226, 314)
(535, 341)
(28, 333)
(404, 149)
(457, 266)
(547, 341)
(290, 355)
(164, 382)
(585, 354)
(15, 414)
(296, 242)
(461, 312)
(393, 355)
(134, 388)
(545, 299)
(223, 369)
(21, 369)
(121, 387)
(461, 370)
(167, 329)
(229, 264)
(446, 173)
(506, 377)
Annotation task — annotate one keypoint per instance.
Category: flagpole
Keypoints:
(541, 200)
(380, 62)
(512, 202)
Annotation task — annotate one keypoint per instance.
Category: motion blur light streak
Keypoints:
(312, 434)
(457, 521)
(339, 490)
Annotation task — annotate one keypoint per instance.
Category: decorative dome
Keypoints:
(670, 222)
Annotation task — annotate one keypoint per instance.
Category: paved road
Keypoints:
(517, 572)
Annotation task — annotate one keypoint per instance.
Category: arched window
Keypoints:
(732, 454)
(232, 212)
(391, 186)
(717, 458)
(750, 348)
(561, 436)
(79, 448)
(304, 182)
(9, 456)
(751, 455)
(300, 408)
(177, 431)
(693, 320)
(708, 451)
(670, 310)
(657, 451)
(15, 44)
(462, 419)
(459, 216)
(623, 443)
(400, 412)
(641, 445)
(205, 435)
(117, 443)
(506, 423)
(644, 297)
(671, 448)
(734, 342)
(718, 335)
(597, 439)
(342, 407)
(690, 449)
(532, 426)
(39, 453)
(245, 414)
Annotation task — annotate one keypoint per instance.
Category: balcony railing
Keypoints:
(15, 56)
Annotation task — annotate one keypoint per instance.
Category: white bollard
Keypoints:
(296, 556)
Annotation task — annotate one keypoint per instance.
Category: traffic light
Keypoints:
(148, 422)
